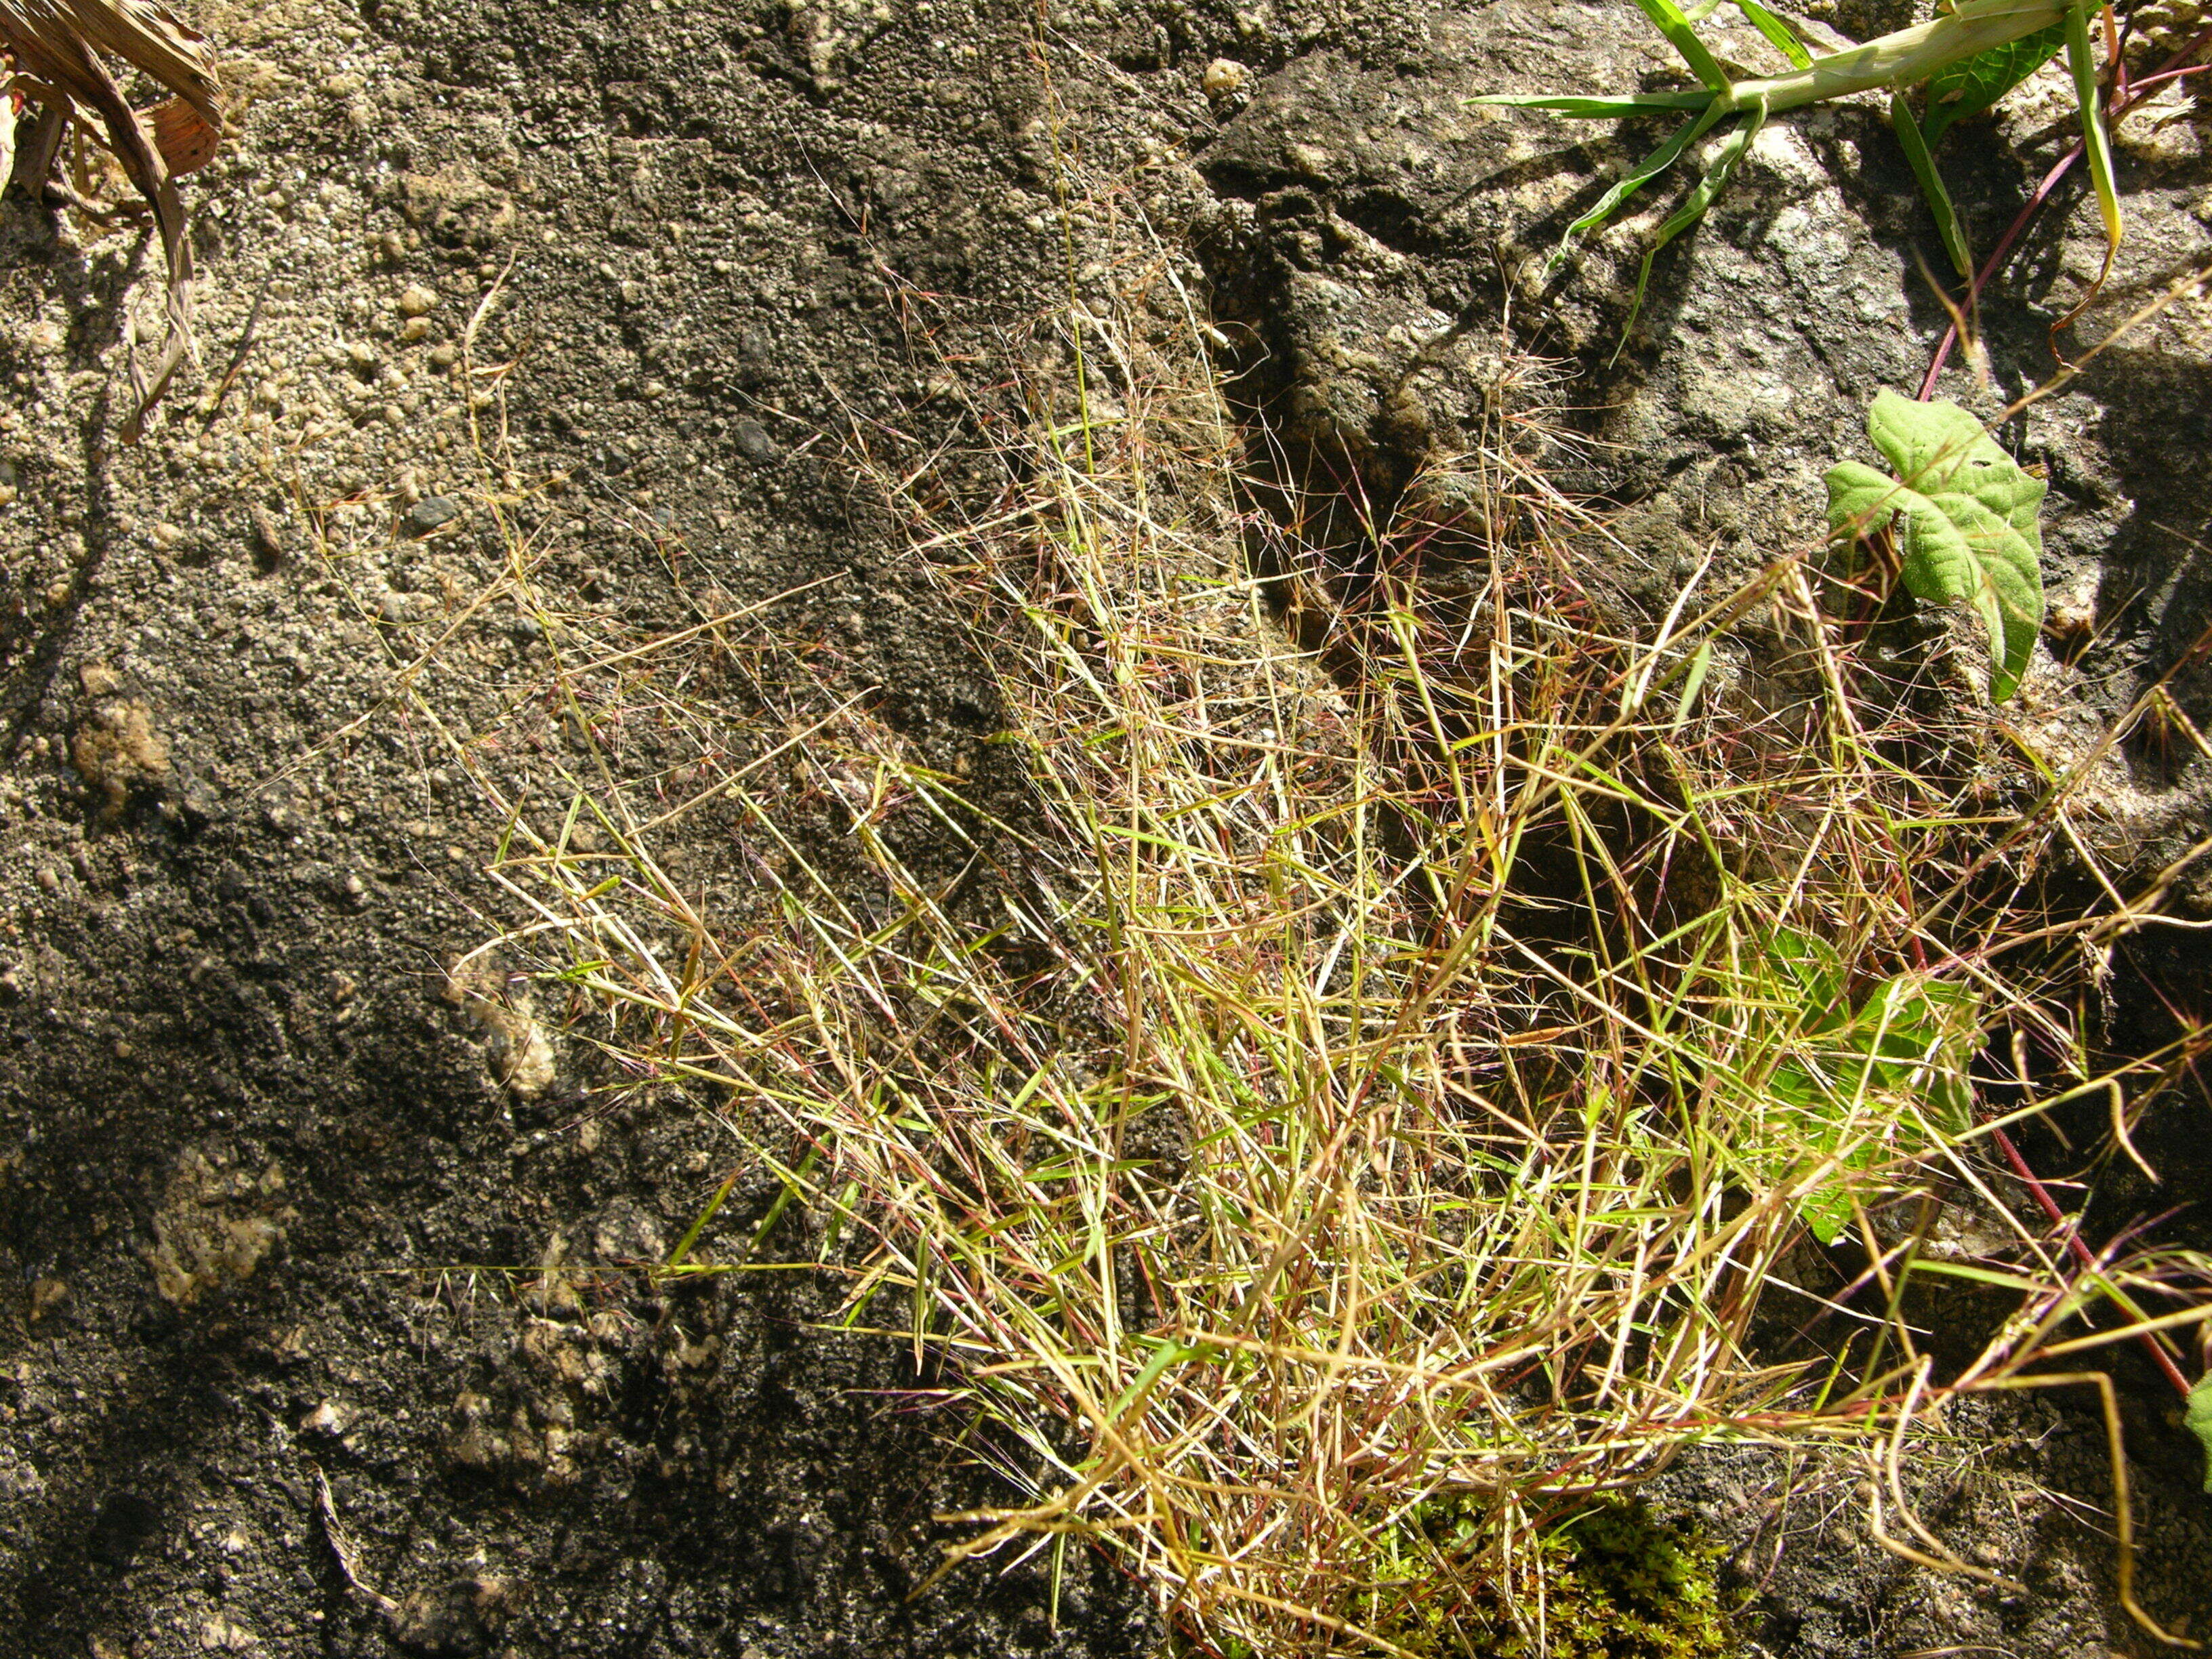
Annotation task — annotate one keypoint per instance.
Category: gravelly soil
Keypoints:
(264, 1384)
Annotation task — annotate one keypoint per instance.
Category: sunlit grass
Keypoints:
(1375, 1063)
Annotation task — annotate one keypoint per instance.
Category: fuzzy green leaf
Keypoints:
(1972, 85)
(2200, 1421)
(1910, 1040)
(1969, 536)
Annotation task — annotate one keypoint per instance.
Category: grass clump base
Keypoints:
(1615, 1582)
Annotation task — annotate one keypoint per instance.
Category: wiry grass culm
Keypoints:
(1378, 1073)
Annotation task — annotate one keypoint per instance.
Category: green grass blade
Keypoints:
(2095, 142)
(1598, 109)
(1667, 19)
(1636, 177)
(1694, 208)
(1779, 34)
(1931, 185)
(1972, 84)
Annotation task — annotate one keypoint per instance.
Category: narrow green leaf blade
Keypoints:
(1972, 84)
(2094, 141)
(1598, 109)
(1637, 177)
(1667, 19)
(1693, 207)
(1779, 34)
(1931, 185)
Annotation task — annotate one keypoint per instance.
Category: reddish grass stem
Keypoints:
(2081, 1252)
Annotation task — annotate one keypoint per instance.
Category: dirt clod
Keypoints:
(117, 749)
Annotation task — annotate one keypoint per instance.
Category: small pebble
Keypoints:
(418, 300)
(432, 511)
(1224, 78)
(267, 536)
(753, 441)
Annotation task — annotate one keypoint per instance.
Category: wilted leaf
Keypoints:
(186, 141)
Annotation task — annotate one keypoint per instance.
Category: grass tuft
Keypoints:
(1356, 1092)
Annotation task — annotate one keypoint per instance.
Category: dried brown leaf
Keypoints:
(55, 47)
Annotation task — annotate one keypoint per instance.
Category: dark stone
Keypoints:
(754, 443)
(431, 512)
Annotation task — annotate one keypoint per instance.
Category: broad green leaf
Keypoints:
(1813, 973)
(1909, 1040)
(1972, 85)
(1970, 535)
(2200, 1421)
(1667, 19)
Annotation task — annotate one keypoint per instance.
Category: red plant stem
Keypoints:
(2162, 1359)
(2172, 70)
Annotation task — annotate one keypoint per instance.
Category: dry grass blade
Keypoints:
(55, 47)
